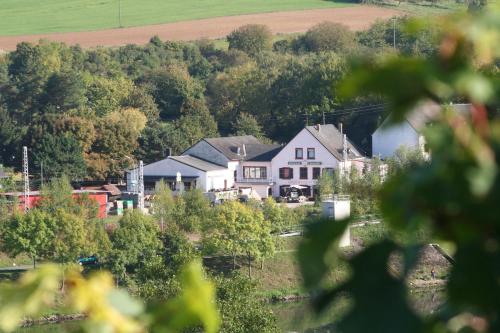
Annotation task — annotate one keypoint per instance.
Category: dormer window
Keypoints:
(299, 153)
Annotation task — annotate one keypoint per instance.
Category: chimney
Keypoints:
(341, 128)
(244, 150)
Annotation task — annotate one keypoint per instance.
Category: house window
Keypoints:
(235, 175)
(299, 153)
(171, 185)
(328, 171)
(311, 153)
(316, 173)
(286, 173)
(255, 172)
(187, 186)
(303, 173)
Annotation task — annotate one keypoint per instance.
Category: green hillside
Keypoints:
(19, 17)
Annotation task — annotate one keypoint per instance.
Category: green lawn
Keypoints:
(19, 17)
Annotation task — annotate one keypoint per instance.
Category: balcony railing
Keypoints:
(268, 180)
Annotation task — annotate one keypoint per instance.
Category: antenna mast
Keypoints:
(141, 186)
(26, 193)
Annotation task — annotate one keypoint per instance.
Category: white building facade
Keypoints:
(312, 152)
(388, 138)
(245, 165)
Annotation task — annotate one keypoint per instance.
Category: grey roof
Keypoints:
(331, 138)
(261, 152)
(229, 145)
(248, 147)
(424, 113)
(197, 163)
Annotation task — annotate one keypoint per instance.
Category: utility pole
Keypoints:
(119, 13)
(394, 33)
(141, 186)
(26, 193)
(41, 173)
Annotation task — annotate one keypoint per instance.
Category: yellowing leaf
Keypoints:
(34, 292)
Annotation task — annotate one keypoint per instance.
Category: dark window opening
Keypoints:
(316, 173)
(303, 173)
(286, 173)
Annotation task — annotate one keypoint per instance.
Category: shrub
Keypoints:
(328, 36)
(251, 38)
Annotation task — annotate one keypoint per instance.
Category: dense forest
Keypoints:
(90, 113)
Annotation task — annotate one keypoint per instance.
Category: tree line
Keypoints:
(146, 253)
(91, 113)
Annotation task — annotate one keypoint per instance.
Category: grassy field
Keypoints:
(18, 17)
(425, 8)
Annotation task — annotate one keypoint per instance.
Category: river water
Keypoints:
(298, 316)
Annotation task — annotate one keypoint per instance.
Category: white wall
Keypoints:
(302, 140)
(215, 179)
(259, 186)
(170, 167)
(386, 140)
(243, 164)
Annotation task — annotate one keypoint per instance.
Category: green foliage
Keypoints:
(452, 198)
(240, 307)
(327, 36)
(247, 125)
(238, 230)
(109, 309)
(275, 214)
(173, 88)
(32, 233)
(421, 40)
(164, 206)
(404, 158)
(251, 38)
(134, 242)
(81, 101)
(60, 155)
(196, 211)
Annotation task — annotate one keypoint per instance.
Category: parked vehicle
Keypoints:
(88, 261)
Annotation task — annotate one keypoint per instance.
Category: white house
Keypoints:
(245, 165)
(387, 139)
(313, 151)
(215, 164)
(194, 172)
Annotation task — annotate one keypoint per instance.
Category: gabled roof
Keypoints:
(229, 145)
(331, 138)
(197, 163)
(423, 114)
(246, 148)
(426, 112)
(261, 152)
